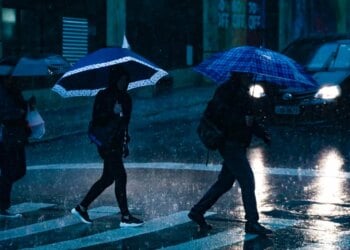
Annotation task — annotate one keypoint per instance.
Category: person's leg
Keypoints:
(106, 179)
(8, 165)
(120, 181)
(222, 185)
(245, 178)
(239, 165)
(5, 192)
(120, 178)
(5, 182)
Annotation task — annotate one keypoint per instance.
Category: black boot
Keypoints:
(256, 228)
(199, 219)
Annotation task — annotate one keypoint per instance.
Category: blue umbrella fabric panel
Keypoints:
(91, 73)
(265, 64)
(45, 65)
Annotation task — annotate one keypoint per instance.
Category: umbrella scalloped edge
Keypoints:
(92, 92)
(74, 93)
(107, 64)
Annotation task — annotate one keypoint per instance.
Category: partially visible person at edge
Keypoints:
(14, 133)
(112, 107)
(231, 110)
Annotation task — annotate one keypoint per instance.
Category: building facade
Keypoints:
(173, 34)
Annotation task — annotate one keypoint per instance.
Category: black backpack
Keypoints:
(209, 134)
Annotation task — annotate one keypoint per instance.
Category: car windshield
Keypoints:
(322, 57)
(301, 52)
(342, 60)
(316, 57)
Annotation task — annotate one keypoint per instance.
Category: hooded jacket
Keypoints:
(13, 109)
(103, 114)
(228, 108)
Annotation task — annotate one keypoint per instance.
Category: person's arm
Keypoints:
(127, 108)
(260, 132)
(9, 111)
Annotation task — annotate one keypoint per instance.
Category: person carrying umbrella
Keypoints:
(231, 111)
(14, 133)
(111, 114)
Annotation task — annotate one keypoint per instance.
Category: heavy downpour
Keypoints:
(214, 124)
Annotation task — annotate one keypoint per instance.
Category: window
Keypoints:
(74, 38)
(342, 60)
(9, 20)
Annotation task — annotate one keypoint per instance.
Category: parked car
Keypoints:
(327, 59)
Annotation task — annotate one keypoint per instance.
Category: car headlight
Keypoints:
(256, 91)
(328, 92)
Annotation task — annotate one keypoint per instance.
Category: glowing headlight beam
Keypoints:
(256, 91)
(328, 92)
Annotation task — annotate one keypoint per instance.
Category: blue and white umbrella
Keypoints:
(265, 64)
(91, 73)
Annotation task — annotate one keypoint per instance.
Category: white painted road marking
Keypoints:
(230, 237)
(197, 167)
(122, 233)
(54, 224)
(222, 239)
(29, 207)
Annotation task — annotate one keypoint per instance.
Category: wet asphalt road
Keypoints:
(302, 188)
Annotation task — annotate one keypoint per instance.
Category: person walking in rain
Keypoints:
(111, 113)
(231, 111)
(14, 133)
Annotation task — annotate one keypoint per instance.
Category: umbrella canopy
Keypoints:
(7, 65)
(91, 73)
(45, 65)
(266, 64)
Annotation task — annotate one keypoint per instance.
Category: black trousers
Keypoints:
(113, 171)
(12, 168)
(234, 167)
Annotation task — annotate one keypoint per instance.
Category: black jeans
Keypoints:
(234, 167)
(12, 168)
(113, 171)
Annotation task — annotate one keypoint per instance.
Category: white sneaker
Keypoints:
(130, 221)
(83, 216)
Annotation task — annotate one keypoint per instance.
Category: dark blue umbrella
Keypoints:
(42, 65)
(266, 64)
(90, 74)
(7, 65)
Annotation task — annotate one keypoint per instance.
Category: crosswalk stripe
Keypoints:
(229, 237)
(29, 207)
(122, 233)
(54, 224)
(278, 223)
(342, 241)
(214, 241)
(278, 171)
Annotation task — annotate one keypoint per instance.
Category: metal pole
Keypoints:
(116, 22)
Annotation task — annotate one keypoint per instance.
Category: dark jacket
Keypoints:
(103, 113)
(13, 109)
(228, 109)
